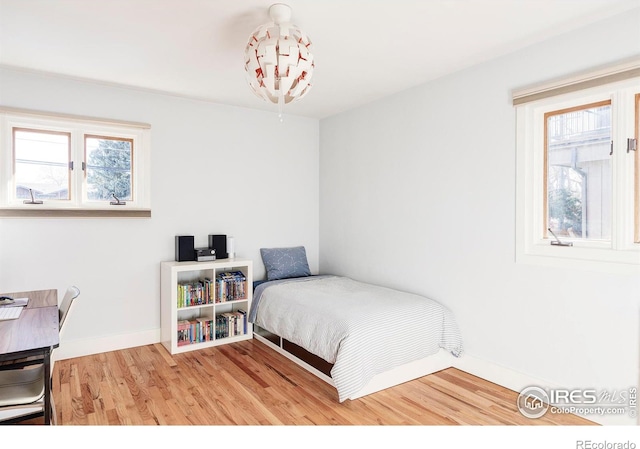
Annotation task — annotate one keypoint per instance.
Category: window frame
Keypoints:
(78, 128)
(637, 171)
(533, 245)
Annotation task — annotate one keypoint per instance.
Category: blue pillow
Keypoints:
(284, 263)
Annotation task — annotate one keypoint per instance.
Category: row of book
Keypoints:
(199, 330)
(196, 293)
(231, 286)
(228, 286)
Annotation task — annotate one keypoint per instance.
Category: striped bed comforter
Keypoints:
(361, 328)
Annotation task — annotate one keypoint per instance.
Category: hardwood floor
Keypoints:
(246, 383)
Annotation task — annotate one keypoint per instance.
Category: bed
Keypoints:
(359, 337)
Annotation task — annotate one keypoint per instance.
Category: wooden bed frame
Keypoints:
(322, 369)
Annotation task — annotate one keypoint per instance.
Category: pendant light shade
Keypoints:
(278, 59)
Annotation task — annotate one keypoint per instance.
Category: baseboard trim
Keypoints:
(83, 347)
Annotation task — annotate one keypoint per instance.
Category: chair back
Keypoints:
(63, 313)
(71, 294)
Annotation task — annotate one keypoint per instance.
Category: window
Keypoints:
(42, 160)
(578, 188)
(108, 168)
(72, 166)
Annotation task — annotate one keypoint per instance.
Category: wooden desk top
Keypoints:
(36, 329)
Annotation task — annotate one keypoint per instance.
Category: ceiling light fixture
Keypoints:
(278, 59)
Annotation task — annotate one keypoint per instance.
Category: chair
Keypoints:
(22, 384)
(72, 293)
(22, 394)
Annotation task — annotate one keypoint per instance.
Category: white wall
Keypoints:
(215, 169)
(417, 191)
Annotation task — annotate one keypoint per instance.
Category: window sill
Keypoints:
(69, 213)
(590, 259)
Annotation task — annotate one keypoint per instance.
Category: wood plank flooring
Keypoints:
(246, 383)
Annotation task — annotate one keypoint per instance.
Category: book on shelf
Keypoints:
(184, 332)
(222, 327)
(230, 328)
(243, 319)
(227, 286)
(194, 331)
(231, 286)
(231, 324)
(205, 326)
(197, 330)
(196, 293)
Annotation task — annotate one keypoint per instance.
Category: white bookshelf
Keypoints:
(171, 312)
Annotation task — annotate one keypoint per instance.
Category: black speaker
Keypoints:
(185, 250)
(219, 243)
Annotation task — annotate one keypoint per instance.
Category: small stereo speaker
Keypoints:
(185, 248)
(219, 243)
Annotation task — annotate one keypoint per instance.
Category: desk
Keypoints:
(35, 333)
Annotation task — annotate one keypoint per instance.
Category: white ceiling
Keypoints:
(364, 49)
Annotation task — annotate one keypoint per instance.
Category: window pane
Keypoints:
(578, 182)
(108, 168)
(41, 164)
